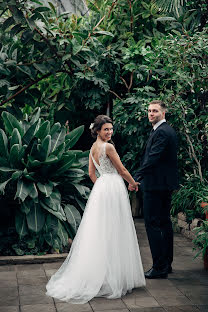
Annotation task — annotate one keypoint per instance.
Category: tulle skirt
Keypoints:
(104, 259)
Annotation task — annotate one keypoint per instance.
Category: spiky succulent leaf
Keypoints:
(45, 148)
(10, 123)
(44, 130)
(73, 136)
(16, 138)
(14, 156)
(3, 144)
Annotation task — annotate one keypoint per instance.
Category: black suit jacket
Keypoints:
(158, 169)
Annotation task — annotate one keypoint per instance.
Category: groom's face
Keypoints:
(155, 113)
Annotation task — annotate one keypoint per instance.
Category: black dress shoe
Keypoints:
(153, 273)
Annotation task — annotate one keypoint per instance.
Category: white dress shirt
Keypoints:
(158, 124)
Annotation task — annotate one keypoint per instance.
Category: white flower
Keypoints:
(91, 126)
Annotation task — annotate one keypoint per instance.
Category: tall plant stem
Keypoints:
(192, 151)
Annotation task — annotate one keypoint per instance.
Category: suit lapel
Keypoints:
(150, 138)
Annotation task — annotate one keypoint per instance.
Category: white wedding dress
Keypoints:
(104, 260)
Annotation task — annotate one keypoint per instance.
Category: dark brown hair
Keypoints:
(98, 122)
(159, 102)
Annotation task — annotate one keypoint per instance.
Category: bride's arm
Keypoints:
(113, 155)
(92, 174)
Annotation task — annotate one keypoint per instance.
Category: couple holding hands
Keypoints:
(104, 259)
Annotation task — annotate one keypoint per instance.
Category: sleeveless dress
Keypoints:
(104, 259)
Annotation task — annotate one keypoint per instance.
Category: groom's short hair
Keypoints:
(159, 102)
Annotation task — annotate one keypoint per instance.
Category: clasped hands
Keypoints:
(134, 187)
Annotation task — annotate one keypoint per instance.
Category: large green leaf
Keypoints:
(53, 205)
(35, 218)
(21, 224)
(57, 139)
(16, 138)
(59, 213)
(63, 234)
(11, 123)
(3, 185)
(3, 144)
(51, 160)
(7, 169)
(14, 156)
(32, 163)
(55, 128)
(29, 135)
(73, 216)
(64, 164)
(102, 32)
(23, 190)
(45, 147)
(41, 68)
(26, 70)
(17, 14)
(25, 206)
(17, 174)
(42, 9)
(44, 130)
(75, 173)
(60, 150)
(80, 202)
(51, 224)
(82, 190)
(73, 136)
(69, 230)
(53, 240)
(45, 188)
(33, 190)
(8, 22)
(36, 116)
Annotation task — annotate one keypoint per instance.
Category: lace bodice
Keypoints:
(106, 165)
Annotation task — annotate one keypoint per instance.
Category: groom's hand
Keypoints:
(133, 188)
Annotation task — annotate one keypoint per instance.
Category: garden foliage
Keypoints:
(121, 55)
(41, 172)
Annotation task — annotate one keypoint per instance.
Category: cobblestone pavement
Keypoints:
(22, 287)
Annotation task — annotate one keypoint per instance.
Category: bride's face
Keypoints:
(106, 132)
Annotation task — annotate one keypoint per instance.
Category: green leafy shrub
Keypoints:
(43, 174)
(201, 240)
(189, 197)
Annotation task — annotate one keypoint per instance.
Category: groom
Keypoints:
(158, 178)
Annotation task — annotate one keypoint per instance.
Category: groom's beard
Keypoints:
(155, 120)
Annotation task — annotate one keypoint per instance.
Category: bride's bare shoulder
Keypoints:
(110, 148)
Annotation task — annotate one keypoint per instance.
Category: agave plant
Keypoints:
(37, 161)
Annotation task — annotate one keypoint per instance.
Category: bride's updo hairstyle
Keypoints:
(99, 121)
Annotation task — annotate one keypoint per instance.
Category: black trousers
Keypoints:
(156, 205)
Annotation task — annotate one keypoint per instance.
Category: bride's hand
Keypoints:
(133, 187)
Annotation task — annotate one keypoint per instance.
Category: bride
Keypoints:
(104, 260)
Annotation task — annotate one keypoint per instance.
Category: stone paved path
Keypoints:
(22, 287)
